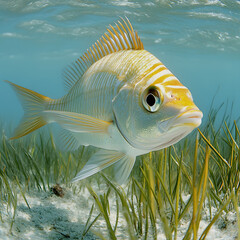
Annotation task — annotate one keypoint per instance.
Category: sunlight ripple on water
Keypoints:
(197, 21)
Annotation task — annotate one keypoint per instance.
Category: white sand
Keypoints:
(52, 217)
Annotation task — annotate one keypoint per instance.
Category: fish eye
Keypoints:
(151, 100)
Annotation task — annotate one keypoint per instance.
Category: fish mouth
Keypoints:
(191, 117)
(180, 125)
(191, 113)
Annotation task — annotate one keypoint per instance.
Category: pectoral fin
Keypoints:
(77, 122)
(105, 158)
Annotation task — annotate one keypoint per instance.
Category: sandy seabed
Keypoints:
(52, 217)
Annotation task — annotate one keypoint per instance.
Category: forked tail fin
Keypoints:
(33, 104)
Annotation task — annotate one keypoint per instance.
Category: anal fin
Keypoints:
(123, 168)
(105, 158)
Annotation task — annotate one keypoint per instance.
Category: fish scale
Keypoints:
(102, 77)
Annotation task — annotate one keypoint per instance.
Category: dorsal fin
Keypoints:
(120, 37)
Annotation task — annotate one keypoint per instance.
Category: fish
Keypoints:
(120, 98)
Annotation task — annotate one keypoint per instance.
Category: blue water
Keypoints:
(199, 41)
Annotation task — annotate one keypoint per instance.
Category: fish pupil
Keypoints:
(150, 99)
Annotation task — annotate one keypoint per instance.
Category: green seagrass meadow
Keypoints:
(204, 166)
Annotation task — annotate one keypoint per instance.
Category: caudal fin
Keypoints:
(33, 104)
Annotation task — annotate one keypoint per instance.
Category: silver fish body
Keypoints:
(121, 99)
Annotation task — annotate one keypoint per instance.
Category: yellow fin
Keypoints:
(33, 104)
(77, 122)
(120, 37)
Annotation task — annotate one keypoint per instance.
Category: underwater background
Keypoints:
(188, 190)
(198, 40)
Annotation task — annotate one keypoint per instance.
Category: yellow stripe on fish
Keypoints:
(120, 98)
